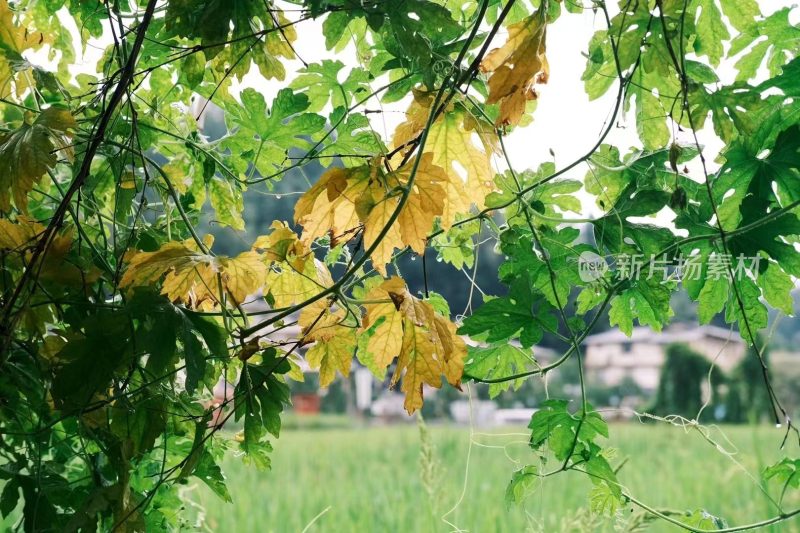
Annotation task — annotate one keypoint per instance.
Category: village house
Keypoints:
(611, 356)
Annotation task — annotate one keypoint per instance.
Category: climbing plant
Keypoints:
(119, 317)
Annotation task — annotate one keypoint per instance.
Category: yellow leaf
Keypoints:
(374, 225)
(516, 67)
(195, 278)
(29, 151)
(294, 273)
(345, 199)
(425, 344)
(19, 235)
(334, 340)
(335, 353)
(17, 38)
(417, 116)
(425, 202)
(451, 142)
(333, 212)
(22, 237)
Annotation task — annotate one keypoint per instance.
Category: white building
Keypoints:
(611, 356)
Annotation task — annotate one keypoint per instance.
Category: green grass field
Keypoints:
(371, 479)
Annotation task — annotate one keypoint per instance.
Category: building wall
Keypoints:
(726, 355)
(611, 363)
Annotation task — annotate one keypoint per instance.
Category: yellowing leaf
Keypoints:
(334, 340)
(333, 354)
(516, 67)
(196, 278)
(345, 199)
(425, 343)
(329, 207)
(16, 38)
(28, 152)
(294, 273)
(376, 222)
(20, 235)
(425, 202)
(452, 143)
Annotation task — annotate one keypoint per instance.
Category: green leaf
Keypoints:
(777, 287)
(647, 301)
(320, 82)
(702, 519)
(259, 398)
(194, 68)
(711, 32)
(509, 317)
(497, 361)
(210, 473)
(751, 315)
(786, 472)
(523, 483)
(603, 501)
(748, 170)
(712, 298)
(779, 45)
(565, 433)
(9, 497)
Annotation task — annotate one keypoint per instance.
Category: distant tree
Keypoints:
(748, 398)
(680, 389)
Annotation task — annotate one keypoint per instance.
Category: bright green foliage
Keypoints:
(571, 437)
(511, 317)
(703, 520)
(523, 484)
(786, 472)
(498, 361)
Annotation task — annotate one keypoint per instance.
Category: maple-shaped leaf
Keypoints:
(424, 203)
(509, 317)
(517, 67)
(294, 273)
(354, 137)
(321, 84)
(757, 166)
(645, 300)
(329, 206)
(334, 340)
(264, 134)
(370, 197)
(215, 23)
(498, 361)
(452, 142)
(776, 41)
(28, 152)
(424, 342)
(194, 277)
